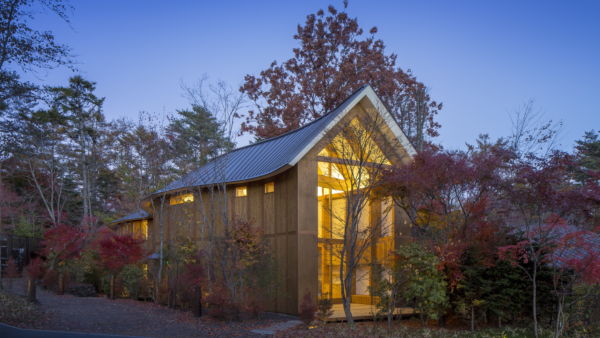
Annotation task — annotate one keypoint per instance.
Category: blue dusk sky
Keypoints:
(482, 59)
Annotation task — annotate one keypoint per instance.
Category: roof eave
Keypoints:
(368, 92)
(188, 188)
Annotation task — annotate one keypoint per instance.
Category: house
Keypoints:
(134, 224)
(292, 186)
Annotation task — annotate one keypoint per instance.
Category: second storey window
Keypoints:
(183, 198)
(269, 187)
(241, 191)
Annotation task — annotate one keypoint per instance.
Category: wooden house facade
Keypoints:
(289, 186)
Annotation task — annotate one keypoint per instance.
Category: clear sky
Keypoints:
(482, 59)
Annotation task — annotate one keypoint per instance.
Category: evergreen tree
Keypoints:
(84, 125)
(195, 137)
(587, 152)
(141, 160)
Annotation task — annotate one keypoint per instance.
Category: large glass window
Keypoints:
(341, 177)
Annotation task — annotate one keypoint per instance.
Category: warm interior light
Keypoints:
(144, 229)
(269, 187)
(183, 198)
(241, 191)
(139, 229)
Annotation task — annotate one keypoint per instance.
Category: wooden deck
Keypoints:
(364, 312)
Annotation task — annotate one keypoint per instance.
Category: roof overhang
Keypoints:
(369, 93)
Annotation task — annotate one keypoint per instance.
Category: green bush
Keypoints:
(132, 277)
(25, 228)
(583, 316)
(498, 292)
(424, 284)
(324, 308)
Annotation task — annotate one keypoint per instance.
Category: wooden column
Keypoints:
(307, 228)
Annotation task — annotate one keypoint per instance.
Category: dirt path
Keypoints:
(129, 317)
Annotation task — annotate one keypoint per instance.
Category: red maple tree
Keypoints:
(62, 244)
(334, 59)
(448, 197)
(551, 218)
(118, 251)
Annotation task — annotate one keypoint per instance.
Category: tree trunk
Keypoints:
(197, 301)
(390, 314)
(61, 283)
(534, 301)
(161, 234)
(31, 290)
(472, 318)
(111, 293)
(347, 309)
(346, 280)
(559, 317)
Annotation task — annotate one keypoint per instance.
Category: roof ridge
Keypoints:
(299, 128)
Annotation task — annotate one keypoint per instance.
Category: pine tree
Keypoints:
(195, 137)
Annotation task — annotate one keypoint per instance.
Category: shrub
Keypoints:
(132, 277)
(425, 286)
(221, 306)
(35, 270)
(15, 310)
(251, 308)
(50, 280)
(307, 308)
(86, 269)
(324, 309)
(584, 313)
(116, 252)
(25, 228)
(118, 285)
(62, 246)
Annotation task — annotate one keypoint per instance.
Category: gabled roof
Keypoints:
(281, 152)
(134, 216)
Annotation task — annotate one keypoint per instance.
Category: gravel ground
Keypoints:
(129, 317)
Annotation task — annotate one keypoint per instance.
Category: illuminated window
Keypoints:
(269, 187)
(140, 229)
(241, 191)
(179, 199)
(355, 144)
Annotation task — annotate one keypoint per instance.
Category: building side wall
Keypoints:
(275, 213)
